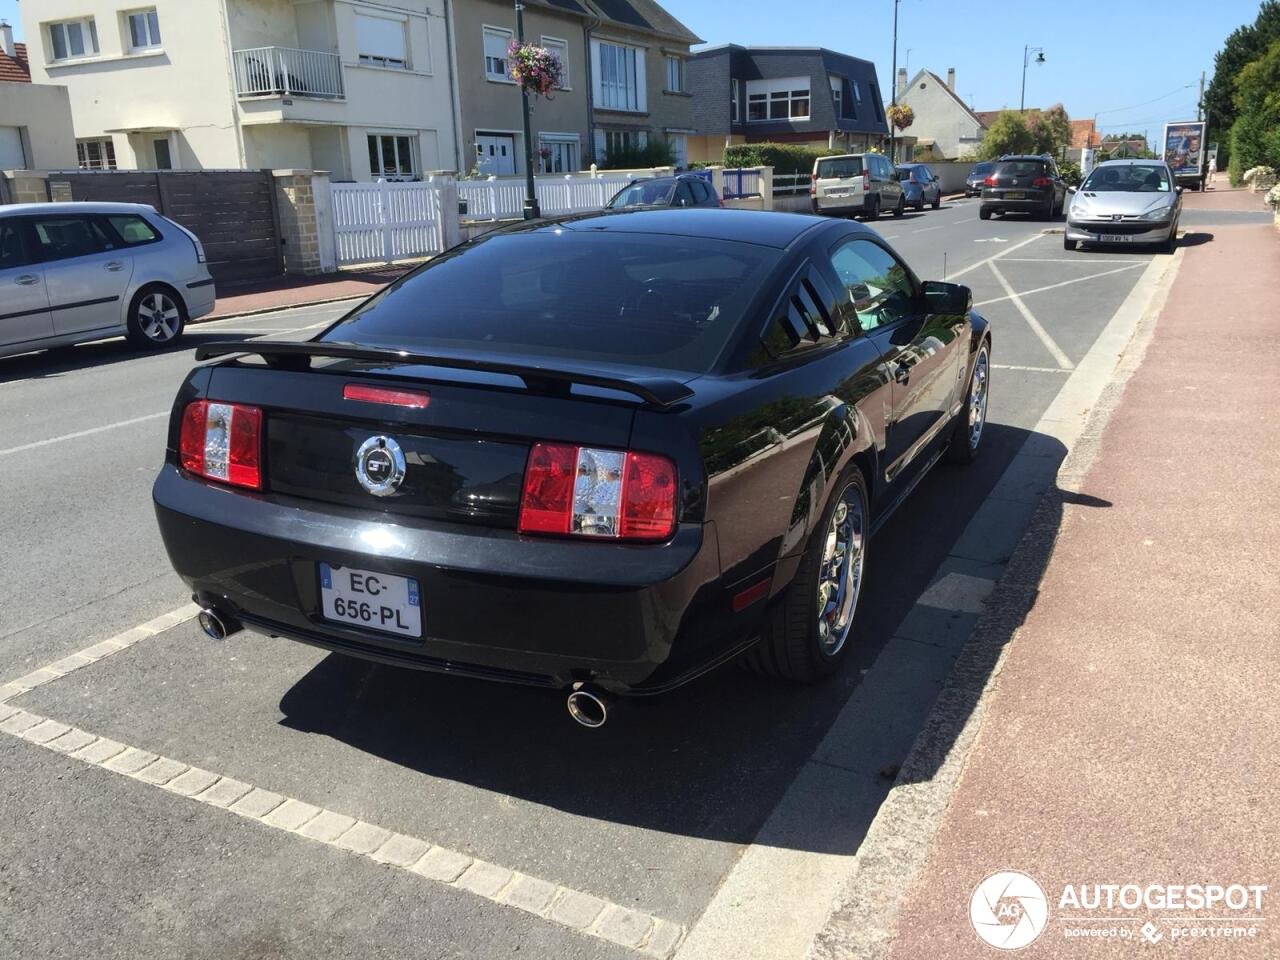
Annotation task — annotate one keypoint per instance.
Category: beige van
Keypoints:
(856, 183)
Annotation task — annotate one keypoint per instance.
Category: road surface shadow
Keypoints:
(711, 759)
(46, 364)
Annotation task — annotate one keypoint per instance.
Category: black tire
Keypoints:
(871, 207)
(920, 204)
(1068, 244)
(937, 203)
(964, 447)
(901, 208)
(157, 317)
(790, 646)
(984, 213)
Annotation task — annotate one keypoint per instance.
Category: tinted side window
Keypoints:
(132, 229)
(684, 195)
(13, 245)
(878, 289)
(61, 238)
(807, 316)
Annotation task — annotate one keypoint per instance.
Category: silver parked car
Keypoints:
(71, 272)
(1126, 201)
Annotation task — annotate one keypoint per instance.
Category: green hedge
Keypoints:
(783, 157)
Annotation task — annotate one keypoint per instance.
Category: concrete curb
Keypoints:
(212, 318)
(897, 844)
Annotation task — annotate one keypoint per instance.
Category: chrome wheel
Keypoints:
(978, 398)
(840, 575)
(158, 317)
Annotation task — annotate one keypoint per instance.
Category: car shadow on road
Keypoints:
(1195, 238)
(713, 758)
(47, 364)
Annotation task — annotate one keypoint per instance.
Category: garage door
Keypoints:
(12, 156)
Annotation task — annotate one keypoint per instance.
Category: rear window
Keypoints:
(656, 301)
(982, 168)
(1021, 168)
(839, 168)
(647, 193)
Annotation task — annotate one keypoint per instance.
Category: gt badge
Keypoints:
(380, 466)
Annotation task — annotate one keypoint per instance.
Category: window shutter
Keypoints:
(595, 84)
(641, 86)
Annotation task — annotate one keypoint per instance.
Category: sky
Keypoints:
(1135, 65)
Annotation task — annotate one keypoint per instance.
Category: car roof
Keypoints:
(1129, 162)
(841, 156)
(761, 227)
(79, 206)
(1010, 157)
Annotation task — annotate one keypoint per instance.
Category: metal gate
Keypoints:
(233, 212)
(384, 222)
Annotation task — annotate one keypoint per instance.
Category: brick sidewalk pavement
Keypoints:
(1133, 735)
(301, 291)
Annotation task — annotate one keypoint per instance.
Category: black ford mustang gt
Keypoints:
(602, 454)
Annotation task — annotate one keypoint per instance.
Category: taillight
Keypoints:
(223, 442)
(866, 179)
(396, 398)
(813, 184)
(1042, 182)
(990, 181)
(589, 492)
(913, 179)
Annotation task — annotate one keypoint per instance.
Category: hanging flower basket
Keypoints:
(536, 69)
(901, 116)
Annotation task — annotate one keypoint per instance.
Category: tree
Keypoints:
(1050, 130)
(1113, 137)
(1241, 48)
(1255, 134)
(1008, 133)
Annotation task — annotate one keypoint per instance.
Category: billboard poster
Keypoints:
(1182, 147)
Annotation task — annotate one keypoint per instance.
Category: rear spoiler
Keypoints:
(297, 355)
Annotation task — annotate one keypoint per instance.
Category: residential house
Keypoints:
(356, 88)
(640, 83)
(944, 126)
(804, 95)
(1084, 135)
(492, 136)
(35, 119)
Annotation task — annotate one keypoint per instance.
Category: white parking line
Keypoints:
(996, 256)
(1064, 283)
(581, 912)
(1016, 366)
(925, 229)
(1063, 360)
(82, 433)
(1071, 260)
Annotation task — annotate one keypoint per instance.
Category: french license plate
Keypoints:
(1011, 195)
(368, 598)
(1114, 238)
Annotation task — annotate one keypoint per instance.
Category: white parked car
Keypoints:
(71, 272)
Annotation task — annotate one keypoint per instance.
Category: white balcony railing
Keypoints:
(288, 72)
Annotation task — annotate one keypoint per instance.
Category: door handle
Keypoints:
(901, 373)
(27, 280)
(115, 265)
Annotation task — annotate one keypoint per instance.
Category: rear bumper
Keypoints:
(840, 205)
(1105, 232)
(632, 619)
(200, 297)
(1031, 202)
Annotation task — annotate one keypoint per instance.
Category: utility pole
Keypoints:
(893, 145)
(531, 211)
(1027, 50)
(1200, 101)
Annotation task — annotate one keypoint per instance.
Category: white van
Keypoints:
(861, 183)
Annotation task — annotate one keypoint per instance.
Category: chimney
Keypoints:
(951, 79)
(6, 38)
(902, 80)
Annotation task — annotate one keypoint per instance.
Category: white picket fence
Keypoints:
(384, 222)
(503, 199)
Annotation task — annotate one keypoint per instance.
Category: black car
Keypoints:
(601, 454)
(1024, 184)
(977, 176)
(684, 190)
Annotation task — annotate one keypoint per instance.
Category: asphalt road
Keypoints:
(651, 813)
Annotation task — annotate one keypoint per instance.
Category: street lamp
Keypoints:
(1026, 59)
(893, 143)
(531, 211)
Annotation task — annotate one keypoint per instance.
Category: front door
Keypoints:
(24, 302)
(496, 154)
(85, 271)
(917, 348)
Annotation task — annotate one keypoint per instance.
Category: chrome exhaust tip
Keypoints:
(588, 708)
(213, 625)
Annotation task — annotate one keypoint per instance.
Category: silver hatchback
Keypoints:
(1126, 202)
(71, 272)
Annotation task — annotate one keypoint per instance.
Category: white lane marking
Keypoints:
(1071, 260)
(1055, 286)
(1063, 360)
(1017, 366)
(992, 240)
(581, 912)
(1003, 253)
(82, 433)
(925, 229)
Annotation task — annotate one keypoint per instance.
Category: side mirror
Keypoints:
(947, 298)
(1180, 189)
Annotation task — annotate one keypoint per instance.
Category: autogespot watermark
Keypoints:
(1009, 910)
